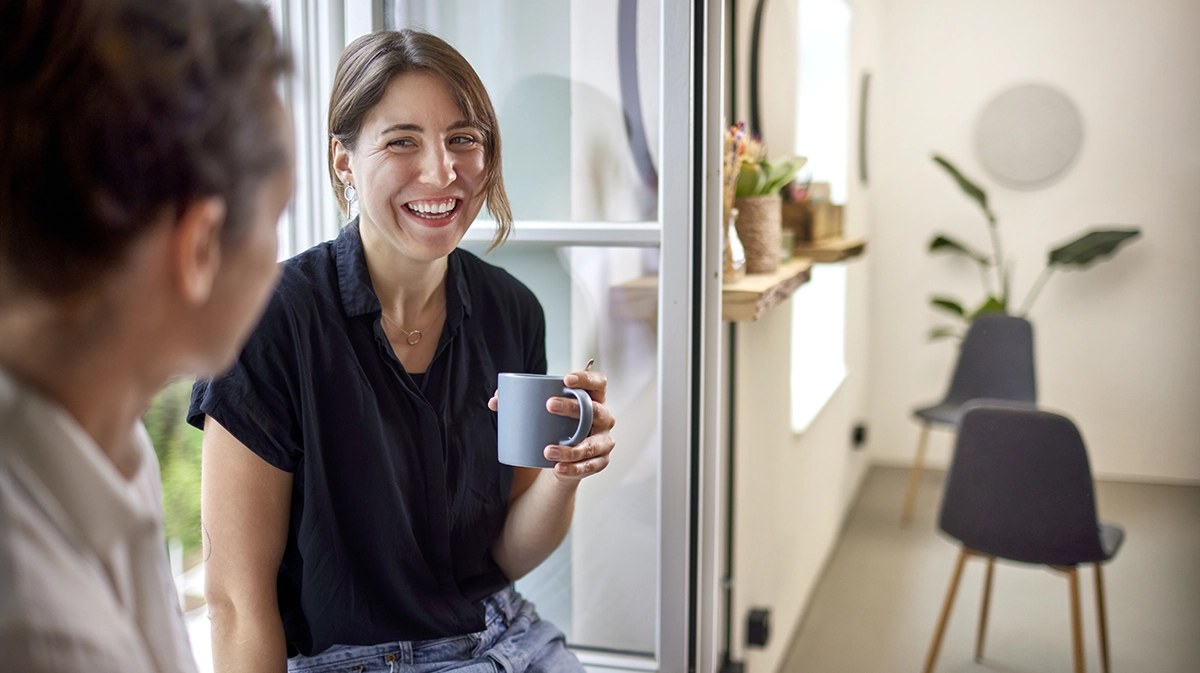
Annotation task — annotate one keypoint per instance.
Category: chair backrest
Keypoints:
(1020, 488)
(996, 361)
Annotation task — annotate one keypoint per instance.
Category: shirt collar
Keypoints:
(83, 493)
(354, 281)
(456, 279)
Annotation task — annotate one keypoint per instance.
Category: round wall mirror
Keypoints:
(1029, 136)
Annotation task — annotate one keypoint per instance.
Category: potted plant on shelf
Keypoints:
(758, 205)
(996, 272)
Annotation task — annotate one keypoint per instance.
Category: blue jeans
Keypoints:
(514, 640)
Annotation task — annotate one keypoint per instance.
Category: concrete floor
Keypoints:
(877, 604)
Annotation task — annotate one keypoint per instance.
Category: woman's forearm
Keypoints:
(537, 523)
(248, 641)
(244, 513)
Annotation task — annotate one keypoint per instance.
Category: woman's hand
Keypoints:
(591, 455)
(542, 502)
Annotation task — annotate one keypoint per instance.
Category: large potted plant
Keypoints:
(996, 271)
(758, 204)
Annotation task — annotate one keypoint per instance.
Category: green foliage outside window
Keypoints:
(178, 447)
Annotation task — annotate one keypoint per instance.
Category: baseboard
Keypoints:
(1117, 477)
(1149, 479)
(906, 463)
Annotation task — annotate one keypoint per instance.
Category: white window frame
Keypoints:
(315, 32)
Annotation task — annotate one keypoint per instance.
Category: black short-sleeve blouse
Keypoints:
(397, 495)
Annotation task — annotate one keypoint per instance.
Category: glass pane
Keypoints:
(575, 85)
(600, 587)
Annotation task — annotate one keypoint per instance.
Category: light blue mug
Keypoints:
(525, 428)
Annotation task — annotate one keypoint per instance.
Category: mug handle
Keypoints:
(585, 416)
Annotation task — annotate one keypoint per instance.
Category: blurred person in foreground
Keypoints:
(144, 162)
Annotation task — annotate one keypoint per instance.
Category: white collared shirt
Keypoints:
(84, 578)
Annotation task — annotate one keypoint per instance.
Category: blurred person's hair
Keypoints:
(372, 61)
(114, 112)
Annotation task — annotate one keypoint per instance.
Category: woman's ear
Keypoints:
(197, 248)
(341, 162)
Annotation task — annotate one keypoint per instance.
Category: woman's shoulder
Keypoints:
(307, 281)
(304, 296)
(493, 282)
(311, 268)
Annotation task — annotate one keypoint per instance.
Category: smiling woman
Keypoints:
(368, 73)
(418, 169)
(353, 500)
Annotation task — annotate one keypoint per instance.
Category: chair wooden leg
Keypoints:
(983, 609)
(1102, 619)
(914, 477)
(931, 658)
(1076, 620)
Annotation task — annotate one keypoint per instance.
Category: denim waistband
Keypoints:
(504, 603)
(500, 611)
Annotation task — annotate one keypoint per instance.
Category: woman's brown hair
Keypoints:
(367, 66)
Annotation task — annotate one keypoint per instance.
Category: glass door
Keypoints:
(609, 114)
(576, 159)
(599, 130)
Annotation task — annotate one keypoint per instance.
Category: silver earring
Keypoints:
(349, 194)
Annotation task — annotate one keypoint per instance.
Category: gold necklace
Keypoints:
(417, 333)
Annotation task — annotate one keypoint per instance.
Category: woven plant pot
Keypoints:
(759, 226)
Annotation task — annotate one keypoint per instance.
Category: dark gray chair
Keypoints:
(996, 361)
(1020, 488)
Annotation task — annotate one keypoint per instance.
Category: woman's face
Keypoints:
(418, 168)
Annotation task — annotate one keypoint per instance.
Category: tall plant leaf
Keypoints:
(1091, 247)
(941, 242)
(990, 305)
(763, 178)
(969, 188)
(1007, 282)
(749, 181)
(781, 173)
(944, 333)
(949, 305)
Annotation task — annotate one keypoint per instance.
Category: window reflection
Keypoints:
(575, 85)
(600, 587)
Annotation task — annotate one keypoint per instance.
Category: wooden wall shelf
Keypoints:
(637, 298)
(746, 299)
(743, 300)
(749, 297)
(830, 250)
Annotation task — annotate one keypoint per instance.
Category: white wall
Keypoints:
(792, 492)
(1118, 346)
(777, 63)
